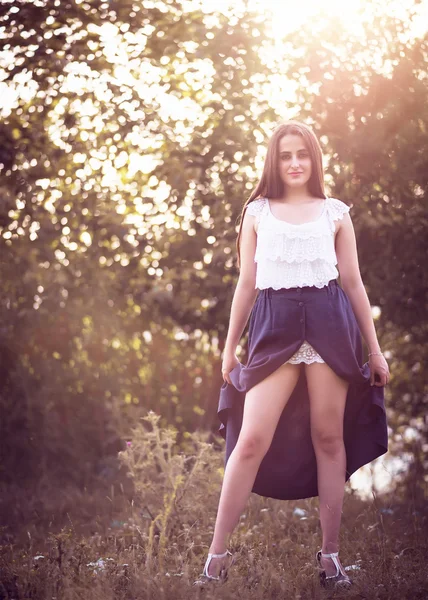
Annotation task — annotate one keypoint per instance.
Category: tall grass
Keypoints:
(146, 536)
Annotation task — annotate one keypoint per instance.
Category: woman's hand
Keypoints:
(378, 366)
(230, 361)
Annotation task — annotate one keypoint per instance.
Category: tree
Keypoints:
(127, 102)
(366, 96)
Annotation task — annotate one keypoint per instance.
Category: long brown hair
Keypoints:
(270, 184)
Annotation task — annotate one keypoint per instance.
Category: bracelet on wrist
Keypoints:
(375, 354)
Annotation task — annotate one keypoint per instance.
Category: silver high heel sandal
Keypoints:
(340, 579)
(222, 577)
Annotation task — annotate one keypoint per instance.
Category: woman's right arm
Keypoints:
(244, 295)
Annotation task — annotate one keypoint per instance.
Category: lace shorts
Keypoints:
(305, 354)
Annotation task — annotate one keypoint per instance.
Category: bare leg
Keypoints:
(255, 437)
(327, 394)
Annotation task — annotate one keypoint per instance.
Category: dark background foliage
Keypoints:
(115, 301)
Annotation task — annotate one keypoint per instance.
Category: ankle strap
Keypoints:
(219, 555)
(330, 555)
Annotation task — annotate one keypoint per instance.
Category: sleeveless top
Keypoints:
(300, 255)
(290, 255)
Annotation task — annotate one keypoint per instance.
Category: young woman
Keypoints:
(305, 412)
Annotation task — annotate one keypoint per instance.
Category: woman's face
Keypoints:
(295, 165)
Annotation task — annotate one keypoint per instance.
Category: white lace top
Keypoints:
(290, 255)
(301, 255)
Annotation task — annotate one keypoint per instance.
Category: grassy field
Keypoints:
(146, 535)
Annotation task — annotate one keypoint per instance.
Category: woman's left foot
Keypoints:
(332, 573)
(223, 572)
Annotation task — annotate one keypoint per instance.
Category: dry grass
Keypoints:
(149, 540)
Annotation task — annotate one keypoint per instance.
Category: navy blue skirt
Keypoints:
(279, 322)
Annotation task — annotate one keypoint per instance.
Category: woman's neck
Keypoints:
(297, 195)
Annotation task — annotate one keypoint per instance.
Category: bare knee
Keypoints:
(327, 442)
(251, 446)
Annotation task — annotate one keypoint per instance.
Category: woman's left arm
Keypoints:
(352, 284)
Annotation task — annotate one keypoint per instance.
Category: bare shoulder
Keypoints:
(248, 248)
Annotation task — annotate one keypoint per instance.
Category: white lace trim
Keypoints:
(336, 210)
(307, 354)
(255, 208)
(295, 255)
(281, 274)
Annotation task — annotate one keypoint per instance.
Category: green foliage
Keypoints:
(108, 307)
(187, 477)
(124, 163)
(366, 95)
